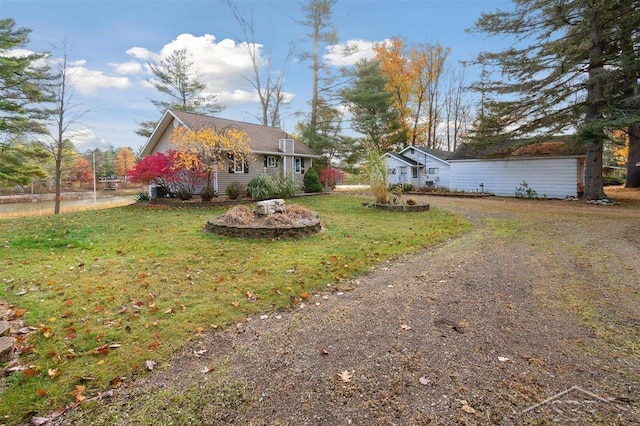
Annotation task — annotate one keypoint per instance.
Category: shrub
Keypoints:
(329, 177)
(278, 219)
(184, 194)
(523, 191)
(235, 190)
(312, 182)
(207, 193)
(238, 215)
(612, 180)
(142, 197)
(285, 187)
(262, 187)
(298, 212)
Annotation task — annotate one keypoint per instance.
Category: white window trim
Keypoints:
(272, 161)
(403, 170)
(238, 166)
(432, 170)
(297, 165)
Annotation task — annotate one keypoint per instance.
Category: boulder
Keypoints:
(267, 207)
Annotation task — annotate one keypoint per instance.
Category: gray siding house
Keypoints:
(276, 153)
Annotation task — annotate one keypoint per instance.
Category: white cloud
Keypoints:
(349, 53)
(130, 67)
(87, 81)
(140, 53)
(221, 65)
(84, 139)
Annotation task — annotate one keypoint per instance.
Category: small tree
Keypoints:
(82, 172)
(312, 182)
(206, 149)
(376, 169)
(125, 161)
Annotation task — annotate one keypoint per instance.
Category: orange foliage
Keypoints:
(208, 149)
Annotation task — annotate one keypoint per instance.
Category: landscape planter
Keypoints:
(299, 230)
(398, 207)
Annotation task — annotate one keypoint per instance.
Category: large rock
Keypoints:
(267, 207)
(6, 348)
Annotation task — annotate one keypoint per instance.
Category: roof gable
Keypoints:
(408, 161)
(263, 139)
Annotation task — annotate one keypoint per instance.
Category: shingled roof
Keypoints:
(263, 139)
(556, 147)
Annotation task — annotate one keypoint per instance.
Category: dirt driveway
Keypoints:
(531, 318)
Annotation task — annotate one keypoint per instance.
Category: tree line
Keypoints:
(572, 69)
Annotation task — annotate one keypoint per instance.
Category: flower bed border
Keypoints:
(258, 231)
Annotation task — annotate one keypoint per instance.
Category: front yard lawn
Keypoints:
(105, 291)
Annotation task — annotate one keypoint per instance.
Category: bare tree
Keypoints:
(456, 110)
(269, 85)
(64, 119)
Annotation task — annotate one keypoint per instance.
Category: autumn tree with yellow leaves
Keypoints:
(207, 149)
(414, 74)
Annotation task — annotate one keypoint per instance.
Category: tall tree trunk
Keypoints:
(593, 185)
(58, 184)
(633, 160)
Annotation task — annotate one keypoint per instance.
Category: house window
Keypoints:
(272, 161)
(414, 172)
(298, 165)
(391, 171)
(238, 166)
(403, 170)
(433, 170)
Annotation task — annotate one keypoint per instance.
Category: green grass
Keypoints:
(109, 289)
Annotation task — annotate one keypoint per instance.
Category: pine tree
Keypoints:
(561, 75)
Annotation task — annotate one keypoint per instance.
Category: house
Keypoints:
(275, 152)
(552, 168)
(422, 167)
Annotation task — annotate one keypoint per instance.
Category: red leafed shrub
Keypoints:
(330, 177)
(163, 170)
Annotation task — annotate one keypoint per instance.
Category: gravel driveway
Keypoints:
(531, 318)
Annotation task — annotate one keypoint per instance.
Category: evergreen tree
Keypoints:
(562, 74)
(21, 92)
(371, 106)
(175, 78)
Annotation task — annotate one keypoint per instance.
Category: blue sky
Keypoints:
(110, 43)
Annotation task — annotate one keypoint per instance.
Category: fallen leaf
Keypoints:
(78, 393)
(53, 372)
(345, 376)
(199, 353)
(39, 421)
(405, 327)
(206, 370)
(149, 364)
(503, 359)
(468, 409)
(424, 381)
(199, 329)
(41, 392)
(304, 295)
(116, 382)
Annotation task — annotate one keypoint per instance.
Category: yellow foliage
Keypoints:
(207, 149)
